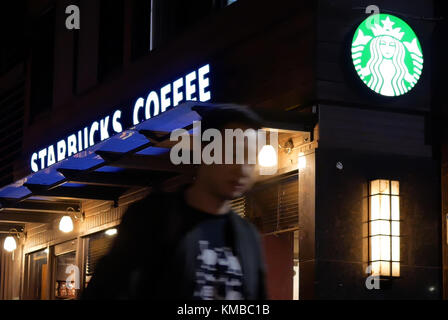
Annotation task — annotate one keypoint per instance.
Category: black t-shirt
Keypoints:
(218, 273)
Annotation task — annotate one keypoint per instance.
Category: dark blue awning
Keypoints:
(106, 170)
(134, 159)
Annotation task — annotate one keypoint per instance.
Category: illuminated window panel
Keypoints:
(384, 228)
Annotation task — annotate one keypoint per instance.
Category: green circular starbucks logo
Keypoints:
(387, 55)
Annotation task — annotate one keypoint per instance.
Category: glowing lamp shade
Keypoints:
(384, 228)
(66, 224)
(111, 232)
(10, 244)
(267, 156)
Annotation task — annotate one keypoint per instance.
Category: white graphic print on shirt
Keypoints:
(218, 275)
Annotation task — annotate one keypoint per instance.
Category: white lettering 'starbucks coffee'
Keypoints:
(387, 55)
(191, 87)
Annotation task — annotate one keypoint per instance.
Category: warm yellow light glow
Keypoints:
(10, 244)
(395, 207)
(267, 156)
(66, 224)
(111, 232)
(384, 227)
(302, 161)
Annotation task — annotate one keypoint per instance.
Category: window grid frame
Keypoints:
(390, 221)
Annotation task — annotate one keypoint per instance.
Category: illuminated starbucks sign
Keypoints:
(387, 55)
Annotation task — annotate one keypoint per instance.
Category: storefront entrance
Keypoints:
(94, 188)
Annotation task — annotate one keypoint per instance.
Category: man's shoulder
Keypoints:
(154, 199)
(245, 224)
(150, 207)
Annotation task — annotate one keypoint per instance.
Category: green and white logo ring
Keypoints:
(387, 55)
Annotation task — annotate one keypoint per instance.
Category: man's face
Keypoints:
(230, 181)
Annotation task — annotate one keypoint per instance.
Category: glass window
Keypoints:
(272, 205)
(97, 245)
(64, 281)
(37, 275)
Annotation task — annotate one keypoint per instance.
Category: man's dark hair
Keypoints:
(220, 115)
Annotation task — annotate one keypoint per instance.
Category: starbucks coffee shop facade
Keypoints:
(354, 209)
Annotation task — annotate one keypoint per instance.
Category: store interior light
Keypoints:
(10, 244)
(111, 232)
(384, 228)
(66, 224)
(267, 156)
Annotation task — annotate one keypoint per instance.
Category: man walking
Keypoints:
(189, 244)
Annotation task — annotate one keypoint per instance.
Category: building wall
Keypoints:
(262, 59)
(98, 216)
(341, 229)
(265, 60)
(373, 137)
(440, 117)
(289, 55)
(336, 78)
